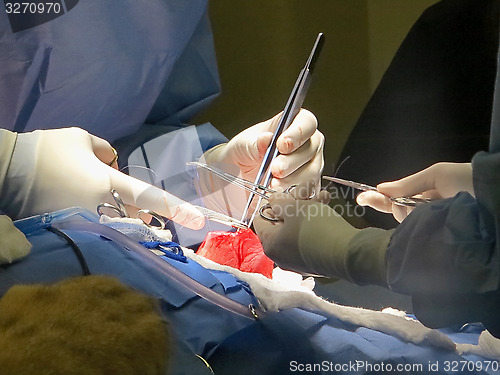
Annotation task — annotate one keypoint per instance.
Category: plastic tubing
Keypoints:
(165, 268)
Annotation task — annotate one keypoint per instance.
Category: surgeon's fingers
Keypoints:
(310, 151)
(104, 151)
(268, 231)
(262, 144)
(264, 229)
(406, 187)
(323, 196)
(382, 203)
(309, 171)
(400, 212)
(304, 190)
(310, 190)
(430, 194)
(140, 194)
(283, 205)
(375, 200)
(418, 183)
(299, 132)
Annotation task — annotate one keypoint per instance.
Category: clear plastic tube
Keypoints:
(169, 271)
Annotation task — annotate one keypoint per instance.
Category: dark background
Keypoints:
(261, 46)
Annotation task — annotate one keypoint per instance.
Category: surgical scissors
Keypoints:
(292, 108)
(400, 201)
(209, 214)
(121, 210)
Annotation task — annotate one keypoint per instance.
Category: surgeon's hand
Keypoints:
(314, 239)
(441, 180)
(60, 168)
(300, 154)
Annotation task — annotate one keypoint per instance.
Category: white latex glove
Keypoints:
(60, 168)
(13, 243)
(301, 158)
(441, 180)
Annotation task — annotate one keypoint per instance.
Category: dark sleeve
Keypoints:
(446, 256)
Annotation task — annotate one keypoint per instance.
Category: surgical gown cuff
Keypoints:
(365, 259)
(350, 254)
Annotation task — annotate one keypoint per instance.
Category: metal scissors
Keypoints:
(209, 214)
(292, 108)
(121, 210)
(400, 201)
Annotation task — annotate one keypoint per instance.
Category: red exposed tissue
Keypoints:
(241, 249)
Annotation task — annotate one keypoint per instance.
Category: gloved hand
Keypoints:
(313, 238)
(441, 180)
(13, 243)
(60, 168)
(300, 159)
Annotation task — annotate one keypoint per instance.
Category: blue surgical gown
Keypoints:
(106, 66)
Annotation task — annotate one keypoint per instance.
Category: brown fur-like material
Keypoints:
(89, 325)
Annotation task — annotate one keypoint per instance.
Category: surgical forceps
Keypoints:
(256, 189)
(400, 201)
(292, 108)
(262, 191)
(209, 214)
